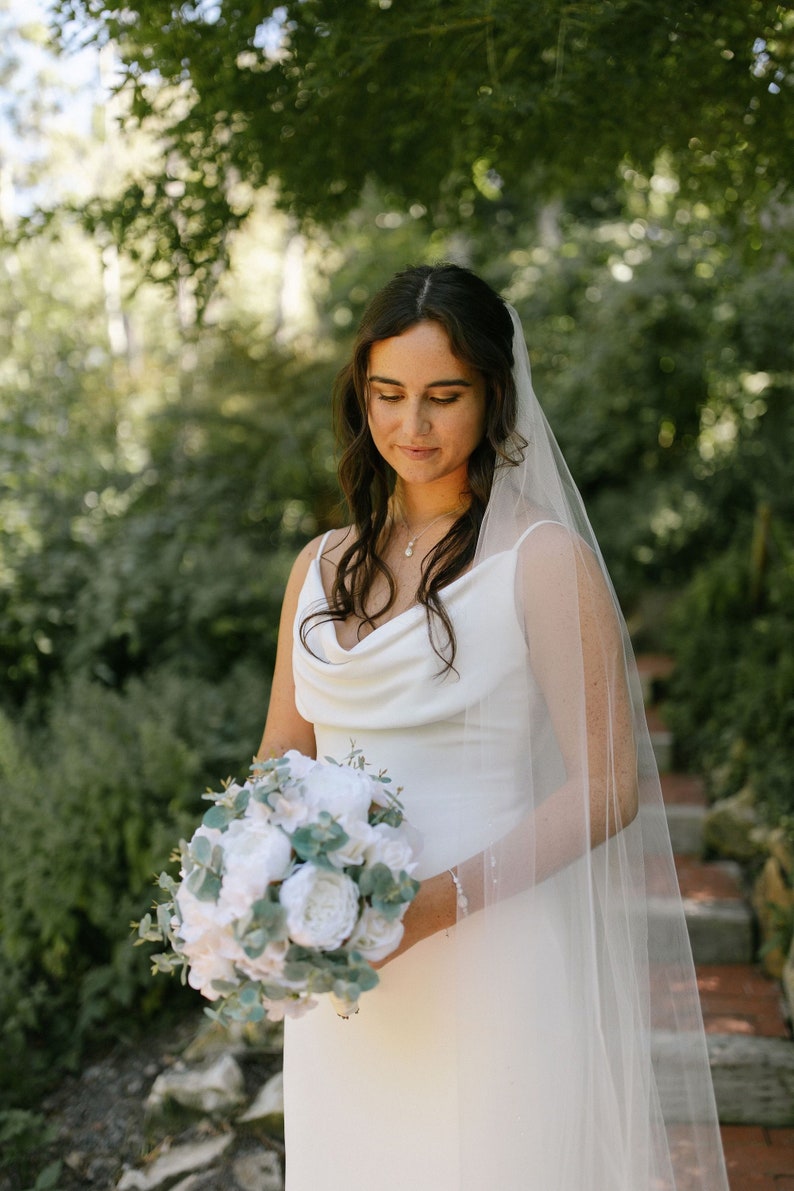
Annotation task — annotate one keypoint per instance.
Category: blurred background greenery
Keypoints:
(180, 281)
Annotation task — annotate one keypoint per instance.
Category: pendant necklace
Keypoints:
(414, 538)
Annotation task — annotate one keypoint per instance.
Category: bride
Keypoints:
(537, 1029)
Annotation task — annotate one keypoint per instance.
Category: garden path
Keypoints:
(749, 1036)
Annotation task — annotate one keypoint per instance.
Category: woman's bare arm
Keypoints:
(285, 727)
(577, 659)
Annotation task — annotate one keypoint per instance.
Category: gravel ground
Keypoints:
(98, 1125)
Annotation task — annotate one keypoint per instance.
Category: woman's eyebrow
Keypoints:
(434, 384)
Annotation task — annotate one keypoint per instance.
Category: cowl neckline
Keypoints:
(387, 628)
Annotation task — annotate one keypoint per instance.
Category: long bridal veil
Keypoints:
(592, 1057)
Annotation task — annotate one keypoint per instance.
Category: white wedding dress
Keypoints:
(384, 1100)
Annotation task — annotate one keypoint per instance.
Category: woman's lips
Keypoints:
(418, 452)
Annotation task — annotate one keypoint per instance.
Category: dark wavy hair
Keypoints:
(480, 332)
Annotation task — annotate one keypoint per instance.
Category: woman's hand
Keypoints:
(434, 908)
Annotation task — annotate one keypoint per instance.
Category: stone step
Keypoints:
(661, 740)
(653, 669)
(753, 1077)
(686, 807)
(720, 932)
(662, 745)
(741, 999)
(719, 921)
(685, 824)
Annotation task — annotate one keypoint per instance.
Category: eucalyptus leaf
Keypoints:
(218, 816)
(201, 850)
(204, 884)
(275, 992)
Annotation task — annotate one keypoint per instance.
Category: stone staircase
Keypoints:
(749, 1038)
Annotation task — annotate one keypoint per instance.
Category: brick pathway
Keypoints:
(759, 1159)
(740, 999)
(735, 998)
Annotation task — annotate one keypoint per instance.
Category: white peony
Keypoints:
(214, 955)
(255, 853)
(361, 837)
(267, 966)
(383, 793)
(278, 1010)
(198, 917)
(321, 906)
(299, 766)
(213, 834)
(392, 847)
(375, 936)
(343, 792)
(290, 809)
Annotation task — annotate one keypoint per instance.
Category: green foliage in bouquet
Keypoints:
(285, 893)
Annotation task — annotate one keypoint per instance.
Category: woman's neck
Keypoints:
(417, 506)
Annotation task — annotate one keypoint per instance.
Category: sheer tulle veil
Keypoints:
(574, 926)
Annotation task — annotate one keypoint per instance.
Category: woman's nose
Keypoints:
(417, 421)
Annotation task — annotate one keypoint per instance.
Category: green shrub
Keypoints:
(732, 695)
(92, 803)
(23, 1137)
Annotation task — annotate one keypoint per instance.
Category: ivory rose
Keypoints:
(375, 937)
(392, 847)
(322, 907)
(255, 853)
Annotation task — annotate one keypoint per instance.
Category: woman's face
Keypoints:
(425, 407)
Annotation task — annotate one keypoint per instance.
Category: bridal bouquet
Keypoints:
(294, 882)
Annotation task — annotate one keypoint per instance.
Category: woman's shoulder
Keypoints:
(331, 545)
(325, 548)
(323, 545)
(544, 536)
(555, 562)
(548, 547)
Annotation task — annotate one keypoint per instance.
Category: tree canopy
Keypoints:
(432, 99)
(159, 476)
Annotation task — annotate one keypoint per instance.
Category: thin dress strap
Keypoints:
(325, 538)
(527, 532)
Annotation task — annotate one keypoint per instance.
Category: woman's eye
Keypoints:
(388, 396)
(449, 400)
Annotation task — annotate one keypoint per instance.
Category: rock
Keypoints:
(268, 1106)
(778, 846)
(180, 1160)
(193, 1182)
(732, 828)
(788, 981)
(773, 902)
(214, 1088)
(213, 1040)
(259, 1171)
(75, 1160)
